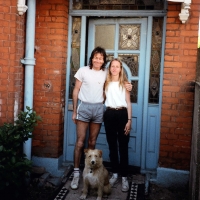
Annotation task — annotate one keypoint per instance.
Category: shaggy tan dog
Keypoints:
(95, 175)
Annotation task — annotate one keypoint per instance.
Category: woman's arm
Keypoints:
(104, 94)
(128, 86)
(75, 98)
(129, 110)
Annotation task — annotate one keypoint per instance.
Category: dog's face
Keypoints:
(93, 158)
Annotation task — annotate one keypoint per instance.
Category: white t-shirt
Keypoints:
(91, 90)
(115, 95)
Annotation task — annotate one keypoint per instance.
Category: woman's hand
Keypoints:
(74, 117)
(128, 86)
(127, 127)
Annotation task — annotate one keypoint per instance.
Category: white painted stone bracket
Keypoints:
(185, 6)
(21, 7)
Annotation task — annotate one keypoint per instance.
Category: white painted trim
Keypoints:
(21, 7)
(185, 6)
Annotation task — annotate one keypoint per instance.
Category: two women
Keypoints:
(89, 113)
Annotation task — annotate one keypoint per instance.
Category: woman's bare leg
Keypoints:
(94, 129)
(81, 129)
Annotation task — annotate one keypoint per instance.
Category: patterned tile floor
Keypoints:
(136, 191)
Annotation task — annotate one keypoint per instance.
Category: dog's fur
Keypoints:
(95, 175)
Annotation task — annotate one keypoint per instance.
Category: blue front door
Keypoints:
(130, 40)
(125, 39)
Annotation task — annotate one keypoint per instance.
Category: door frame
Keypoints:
(149, 112)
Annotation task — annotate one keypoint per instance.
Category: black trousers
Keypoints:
(115, 121)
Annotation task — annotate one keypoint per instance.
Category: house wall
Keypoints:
(178, 87)
(11, 70)
(50, 76)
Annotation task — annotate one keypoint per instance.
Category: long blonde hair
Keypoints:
(122, 75)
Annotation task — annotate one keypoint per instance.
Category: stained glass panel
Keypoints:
(134, 91)
(75, 57)
(116, 1)
(118, 4)
(109, 57)
(129, 37)
(132, 61)
(154, 79)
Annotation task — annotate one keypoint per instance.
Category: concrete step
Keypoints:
(137, 190)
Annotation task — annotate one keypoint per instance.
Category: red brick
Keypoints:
(57, 2)
(174, 39)
(163, 154)
(44, 7)
(168, 148)
(173, 14)
(169, 45)
(174, 52)
(182, 131)
(171, 20)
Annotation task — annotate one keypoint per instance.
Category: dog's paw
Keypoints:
(99, 198)
(83, 196)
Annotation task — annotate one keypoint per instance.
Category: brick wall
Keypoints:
(178, 87)
(50, 76)
(11, 70)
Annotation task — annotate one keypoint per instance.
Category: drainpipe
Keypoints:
(29, 62)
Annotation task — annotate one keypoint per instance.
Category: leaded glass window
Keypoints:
(75, 57)
(132, 61)
(134, 91)
(118, 5)
(109, 57)
(129, 37)
(154, 80)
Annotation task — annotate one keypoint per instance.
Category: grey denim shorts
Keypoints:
(90, 112)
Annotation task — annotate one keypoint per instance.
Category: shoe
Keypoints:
(74, 183)
(113, 180)
(125, 184)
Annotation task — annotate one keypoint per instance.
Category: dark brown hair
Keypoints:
(102, 52)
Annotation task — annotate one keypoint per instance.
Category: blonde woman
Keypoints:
(117, 121)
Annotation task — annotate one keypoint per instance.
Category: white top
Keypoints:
(91, 90)
(115, 95)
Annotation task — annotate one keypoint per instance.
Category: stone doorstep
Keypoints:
(66, 193)
(46, 179)
(116, 194)
(38, 170)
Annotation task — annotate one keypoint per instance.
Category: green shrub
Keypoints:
(14, 166)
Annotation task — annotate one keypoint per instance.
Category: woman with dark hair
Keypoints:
(89, 113)
(95, 51)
